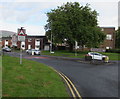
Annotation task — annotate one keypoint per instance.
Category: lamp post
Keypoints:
(76, 48)
(51, 43)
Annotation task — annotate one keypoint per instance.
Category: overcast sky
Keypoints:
(31, 13)
(119, 13)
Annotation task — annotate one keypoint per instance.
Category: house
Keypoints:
(40, 42)
(32, 42)
(109, 42)
(6, 38)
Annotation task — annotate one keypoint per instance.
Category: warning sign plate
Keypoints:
(21, 38)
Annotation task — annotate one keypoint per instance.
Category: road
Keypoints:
(90, 80)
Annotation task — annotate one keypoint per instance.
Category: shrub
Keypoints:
(113, 50)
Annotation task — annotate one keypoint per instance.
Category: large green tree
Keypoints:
(117, 43)
(74, 22)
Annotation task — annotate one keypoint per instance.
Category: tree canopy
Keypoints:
(74, 22)
(118, 38)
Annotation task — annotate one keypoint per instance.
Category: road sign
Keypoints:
(21, 38)
(21, 34)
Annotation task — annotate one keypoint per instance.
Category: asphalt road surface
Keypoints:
(90, 80)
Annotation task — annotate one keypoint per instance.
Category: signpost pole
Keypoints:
(20, 56)
(21, 38)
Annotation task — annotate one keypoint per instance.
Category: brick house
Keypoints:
(109, 42)
(32, 42)
(6, 39)
(40, 42)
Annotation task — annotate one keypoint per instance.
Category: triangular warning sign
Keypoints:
(21, 33)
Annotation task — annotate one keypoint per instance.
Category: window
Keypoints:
(37, 40)
(29, 40)
(107, 47)
(108, 37)
(102, 29)
(37, 46)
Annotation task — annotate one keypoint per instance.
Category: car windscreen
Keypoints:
(94, 53)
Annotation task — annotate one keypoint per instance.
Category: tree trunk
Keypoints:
(70, 47)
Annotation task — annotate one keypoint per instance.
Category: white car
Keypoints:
(34, 51)
(6, 49)
(94, 55)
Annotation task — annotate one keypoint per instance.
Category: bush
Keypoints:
(113, 50)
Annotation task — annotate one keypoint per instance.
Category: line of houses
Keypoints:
(40, 42)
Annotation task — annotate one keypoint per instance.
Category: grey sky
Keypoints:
(31, 13)
(119, 13)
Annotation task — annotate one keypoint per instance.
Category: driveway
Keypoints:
(91, 80)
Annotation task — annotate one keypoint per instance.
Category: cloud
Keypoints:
(119, 13)
(30, 29)
(21, 12)
(59, 0)
(108, 13)
(31, 13)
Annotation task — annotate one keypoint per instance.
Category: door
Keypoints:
(29, 46)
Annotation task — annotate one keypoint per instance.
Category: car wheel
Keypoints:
(103, 58)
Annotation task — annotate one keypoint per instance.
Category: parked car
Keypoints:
(28, 50)
(6, 49)
(34, 51)
(94, 55)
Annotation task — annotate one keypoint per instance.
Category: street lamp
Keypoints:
(76, 43)
(51, 43)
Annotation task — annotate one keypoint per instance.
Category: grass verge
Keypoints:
(31, 79)
(0, 76)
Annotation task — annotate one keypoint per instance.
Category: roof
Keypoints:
(4, 33)
(35, 36)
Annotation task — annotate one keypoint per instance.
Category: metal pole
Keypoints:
(20, 55)
(75, 48)
(51, 43)
(93, 57)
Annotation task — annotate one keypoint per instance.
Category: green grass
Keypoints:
(31, 79)
(112, 56)
(65, 54)
(0, 76)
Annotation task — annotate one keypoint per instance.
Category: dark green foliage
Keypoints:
(113, 50)
(74, 22)
(118, 38)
